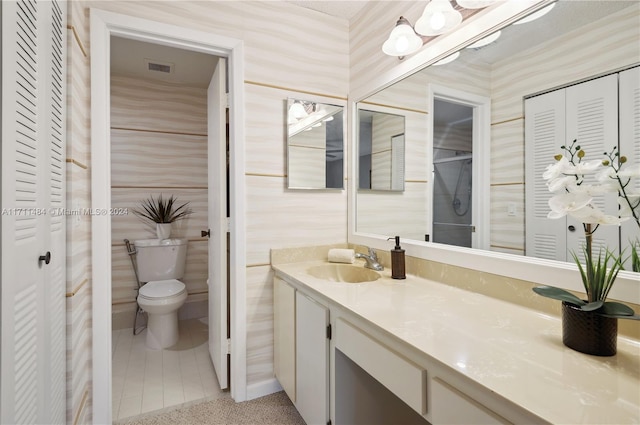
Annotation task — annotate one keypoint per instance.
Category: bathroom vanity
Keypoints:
(419, 351)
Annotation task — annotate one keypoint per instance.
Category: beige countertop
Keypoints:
(512, 351)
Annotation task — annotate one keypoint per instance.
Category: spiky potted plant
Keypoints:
(162, 212)
(589, 326)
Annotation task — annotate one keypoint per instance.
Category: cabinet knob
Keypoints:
(46, 258)
(205, 233)
(572, 228)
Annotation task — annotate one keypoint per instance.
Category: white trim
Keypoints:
(103, 25)
(263, 388)
(546, 272)
(480, 208)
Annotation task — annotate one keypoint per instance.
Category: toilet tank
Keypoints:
(160, 259)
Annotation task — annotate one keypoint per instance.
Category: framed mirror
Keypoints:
(315, 145)
(380, 151)
(572, 43)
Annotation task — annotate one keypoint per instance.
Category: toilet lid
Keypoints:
(162, 288)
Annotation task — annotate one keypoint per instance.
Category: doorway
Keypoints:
(160, 144)
(452, 173)
(460, 134)
(104, 25)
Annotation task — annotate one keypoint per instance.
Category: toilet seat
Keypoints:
(162, 289)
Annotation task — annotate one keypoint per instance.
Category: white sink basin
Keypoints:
(343, 273)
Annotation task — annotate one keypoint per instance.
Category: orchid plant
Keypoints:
(574, 195)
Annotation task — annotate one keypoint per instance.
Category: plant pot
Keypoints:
(163, 230)
(588, 332)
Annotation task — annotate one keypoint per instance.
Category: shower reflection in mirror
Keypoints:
(381, 147)
(315, 145)
(452, 173)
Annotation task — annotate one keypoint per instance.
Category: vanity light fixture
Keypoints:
(438, 17)
(297, 111)
(403, 40)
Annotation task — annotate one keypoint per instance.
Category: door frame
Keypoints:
(481, 147)
(104, 24)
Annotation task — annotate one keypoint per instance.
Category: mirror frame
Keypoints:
(545, 272)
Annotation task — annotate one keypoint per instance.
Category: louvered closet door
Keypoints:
(629, 98)
(592, 119)
(32, 360)
(544, 134)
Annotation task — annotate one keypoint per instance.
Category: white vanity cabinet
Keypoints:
(301, 351)
(284, 336)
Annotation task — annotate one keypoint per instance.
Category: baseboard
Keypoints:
(263, 388)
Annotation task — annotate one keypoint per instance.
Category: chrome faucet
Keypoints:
(371, 260)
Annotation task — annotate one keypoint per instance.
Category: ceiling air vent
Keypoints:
(157, 66)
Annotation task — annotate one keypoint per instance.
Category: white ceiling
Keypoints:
(129, 57)
(346, 9)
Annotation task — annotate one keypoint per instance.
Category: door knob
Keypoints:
(205, 233)
(46, 258)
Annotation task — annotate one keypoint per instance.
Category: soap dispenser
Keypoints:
(397, 261)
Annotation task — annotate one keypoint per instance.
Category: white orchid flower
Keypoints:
(606, 174)
(566, 203)
(594, 189)
(560, 183)
(631, 171)
(582, 168)
(592, 215)
(556, 170)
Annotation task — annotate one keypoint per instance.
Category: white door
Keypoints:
(592, 120)
(544, 133)
(588, 113)
(33, 343)
(216, 104)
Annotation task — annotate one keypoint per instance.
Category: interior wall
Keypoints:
(158, 147)
(289, 52)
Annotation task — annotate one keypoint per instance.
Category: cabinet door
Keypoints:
(544, 134)
(312, 361)
(588, 113)
(592, 120)
(284, 333)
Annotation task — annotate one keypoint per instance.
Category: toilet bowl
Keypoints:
(161, 299)
(160, 264)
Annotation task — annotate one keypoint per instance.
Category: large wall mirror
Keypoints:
(458, 160)
(315, 145)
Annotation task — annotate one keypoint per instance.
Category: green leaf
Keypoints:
(558, 294)
(617, 309)
(592, 306)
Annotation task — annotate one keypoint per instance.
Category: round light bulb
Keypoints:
(402, 44)
(437, 20)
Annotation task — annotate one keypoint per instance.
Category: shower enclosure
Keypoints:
(452, 195)
(452, 173)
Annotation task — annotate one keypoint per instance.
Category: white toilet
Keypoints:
(160, 263)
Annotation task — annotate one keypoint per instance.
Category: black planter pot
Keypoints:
(589, 332)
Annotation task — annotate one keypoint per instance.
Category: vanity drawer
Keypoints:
(405, 379)
(451, 406)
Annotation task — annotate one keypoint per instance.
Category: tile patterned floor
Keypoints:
(145, 380)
